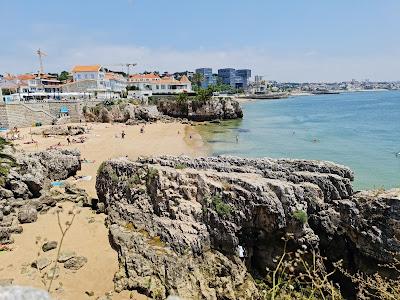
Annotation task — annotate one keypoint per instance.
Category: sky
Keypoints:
(285, 40)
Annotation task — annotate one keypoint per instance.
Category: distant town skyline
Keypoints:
(302, 41)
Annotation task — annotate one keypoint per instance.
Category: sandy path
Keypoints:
(90, 239)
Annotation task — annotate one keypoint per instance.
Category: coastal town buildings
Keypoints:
(155, 84)
(94, 79)
(238, 79)
(207, 77)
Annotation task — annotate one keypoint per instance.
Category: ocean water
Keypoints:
(360, 130)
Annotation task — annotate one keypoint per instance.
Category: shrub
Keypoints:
(180, 166)
(223, 209)
(182, 98)
(101, 168)
(301, 216)
(297, 277)
(151, 174)
(133, 181)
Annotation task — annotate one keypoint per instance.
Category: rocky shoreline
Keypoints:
(211, 227)
(177, 222)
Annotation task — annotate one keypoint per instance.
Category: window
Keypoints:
(92, 76)
(163, 87)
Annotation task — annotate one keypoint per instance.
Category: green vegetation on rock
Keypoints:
(223, 209)
(301, 216)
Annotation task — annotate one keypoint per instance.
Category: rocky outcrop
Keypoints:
(63, 130)
(25, 191)
(177, 222)
(213, 109)
(123, 113)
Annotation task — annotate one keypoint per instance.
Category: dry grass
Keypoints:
(376, 286)
(299, 275)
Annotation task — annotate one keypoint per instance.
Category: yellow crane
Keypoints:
(41, 54)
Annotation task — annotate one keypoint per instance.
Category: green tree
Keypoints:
(63, 76)
(197, 79)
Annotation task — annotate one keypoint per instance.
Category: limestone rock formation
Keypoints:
(64, 130)
(25, 190)
(177, 222)
(122, 113)
(215, 108)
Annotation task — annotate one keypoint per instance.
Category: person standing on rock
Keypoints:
(241, 252)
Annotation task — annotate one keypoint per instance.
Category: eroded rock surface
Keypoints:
(177, 222)
(26, 187)
(216, 108)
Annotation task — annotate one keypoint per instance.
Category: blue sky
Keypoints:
(292, 40)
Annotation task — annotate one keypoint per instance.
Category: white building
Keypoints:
(160, 85)
(95, 73)
(94, 79)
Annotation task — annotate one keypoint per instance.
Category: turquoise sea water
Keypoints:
(360, 130)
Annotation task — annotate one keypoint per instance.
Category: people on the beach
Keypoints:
(123, 134)
(237, 139)
(142, 129)
(68, 140)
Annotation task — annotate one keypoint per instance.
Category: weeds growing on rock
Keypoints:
(180, 166)
(151, 174)
(301, 216)
(376, 286)
(223, 209)
(300, 274)
(133, 181)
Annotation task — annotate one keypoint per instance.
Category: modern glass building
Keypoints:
(242, 78)
(208, 78)
(238, 79)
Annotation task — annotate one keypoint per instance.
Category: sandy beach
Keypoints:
(104, 142)
(88, 235)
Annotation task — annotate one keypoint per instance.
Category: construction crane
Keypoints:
(128, 66)
(40, 53)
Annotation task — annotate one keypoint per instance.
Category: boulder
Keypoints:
(5, 194)
(27, 214)
(49, 246)
(75, 263)
(19, 189)
(23, 293)
(66, 255)
(41, 262)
